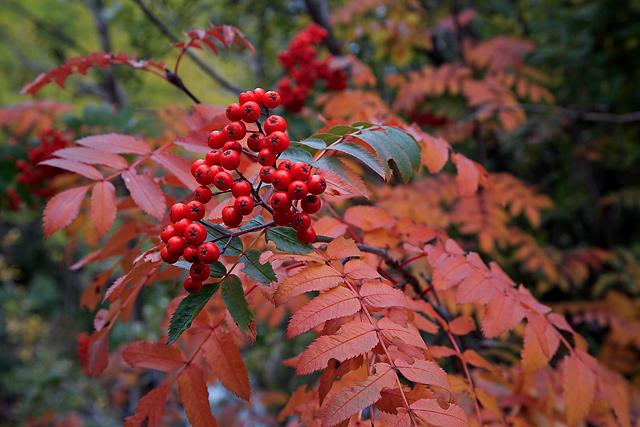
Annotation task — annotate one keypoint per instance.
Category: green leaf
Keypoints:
(379, 147)
(326, 137)
(215, 231)
(286, 240)
(263, 273)
(217, 268)
(253, 222)
(361, 154)
(188, 309)
(408, 144)
(296, 154)
(341, 130)
(233, 297)
(362, 125)
(314, 143)
(383, 143)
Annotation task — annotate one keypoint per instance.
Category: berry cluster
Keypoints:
(305, 69)
(33, 175)
(295, 198)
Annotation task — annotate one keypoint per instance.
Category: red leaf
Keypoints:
(408, 335)
(314, 278)
(154, 355)
(116, 143)
(62, 209)
(349, 401)
(178, 166)
(103, 206)
(146, 192)
(468, 175)
(342, 248)
(579, 388)
(224, 359)
(353, 339)
(79, 168)
(359, 270)
(502, 314)
(462, 325)
(430, 412)
(381, 295)
(98, 353)
(424, 372)
(368, 217)
(533, 353)
(150, 410)
(195, 396)
(92, 156)
(337, 186)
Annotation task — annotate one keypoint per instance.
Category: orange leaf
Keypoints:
(338, 302)
(339, 187)
(73, 166)
(342, 248)
(462, 325)
(349, 401)
(353, 339)
(381, 295)
(424, 372)
(430, 412)
(146, 192)
(103, 206)
(195, 396)
(502, 314)
(62, 209)
(468, 175)
(313, 278)
(534, 355)
(579, 388)
(224, 359)
(154, 355)
(359, 270)
(150, 410)
(115, 143)
(368, 217)
(408, 335)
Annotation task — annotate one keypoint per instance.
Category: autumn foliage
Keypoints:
(407, 291)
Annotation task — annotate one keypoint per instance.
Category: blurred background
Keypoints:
(577, 143)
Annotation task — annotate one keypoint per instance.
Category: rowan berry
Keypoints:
(308, 235)
(254, 141)
(311, 204)
(259, 94)
(244, 205)
(266, 157)
(266, 174)
(233, 112)
(195, 234)
(271, 99)
(297, 190)
(231, 217)
(177, 212)
(275, 123)
(286, 165)
(167, 233)
(216, 140)
(281, 201)
(208, 253)
(241, 188)
(202, 194)
(199, 271)
(250, 111)
(213, 157)
(195, 165)
(223, 180)
(247, 96)
(202, 175)
(232, 145)
(230, 160)
(283, 218)
(176, 245)
(190, 253)
(300, 171)
(317, 184)
(212, 172)
(235, 131)
(281, 179)
(192, 286)
(301, 221)
(168, 258)
(278, 141)
(180, 226)
(196, 210)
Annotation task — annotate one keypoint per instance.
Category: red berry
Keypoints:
(196, 210)
(254, 141)
(233, 112)
(216, 140)
(202, 175)
(250, 111)
(190, 253)
(247, 96)
(283, 218)
(235, 131)
(266, 174)
(223, 181)
(192, 286)
(177, 212)
(180, 226)
(317, 184)
(278, 141)
(300, 171)
(301, 221)
(199, 271)
(212, 172)
(308, 235)
(232, 145)
(176, 245)
(271, 99)
(281, 179)
(244, 205)
(231, 217)
(197, 164)
(230, 160)
(259, 94)
(266, 157)
(208, 253)
(297, 190)
(202, 194)
(311, 203)
(213, 157)
(275, 123)
(167, 233)
(286, 165)
(241, 188)
(195, 234)
(168, 258)
(281, 201)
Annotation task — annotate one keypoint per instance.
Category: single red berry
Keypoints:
(167, 233)
(278, 141)
(286, 165)
(195, 234)
(168, 258)
(232, 145)
(235, 131)
(271, 99)
(212, 172)
(241, 188)
(202, 175)
(247, 96)
(223, 180)
(208, 253)
(254, 141)
(244, 205)
(190, 253)
(216, 140)
(233, 112)
(202, 194)
(300, 171)
(301, 221)
(308, 235)
(196, 210)
(250, 111)
(311, 203)
(281, 179)
(230, 160)
(297, 190)
(192, 286)
(259, 94)
(176, 245)
(266, 174)
(231, 217)
(282, 218)
(213, 157)
(281, 201)
(177, 212)
(197, 164)
(266, 157)
(275, 123)
(199, 271)
(317, 184)
(180, 226)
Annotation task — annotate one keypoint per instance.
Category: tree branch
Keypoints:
(319, 11)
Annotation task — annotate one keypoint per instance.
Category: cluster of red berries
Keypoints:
(305, 69)
(32, 175)
(295, 199)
